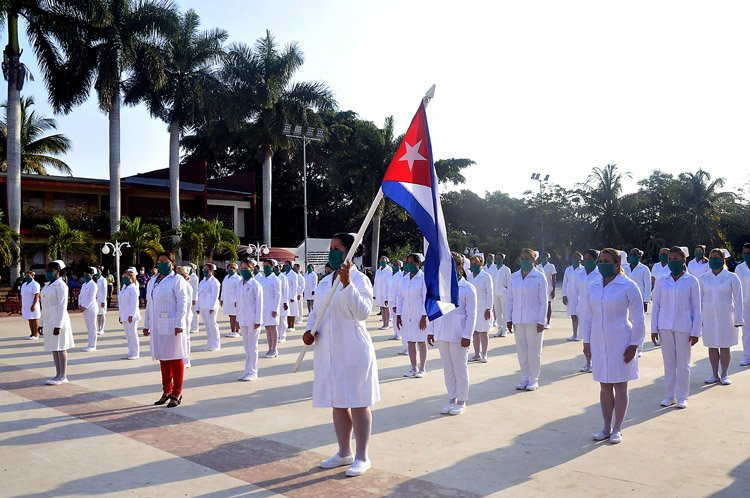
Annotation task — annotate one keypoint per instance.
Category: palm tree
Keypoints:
(35, 148)
(190, 57)
(702, 202)
(143, 238)
(119, 33)
(260, 83)
(191, 239)
(7, 240)
(63, 240)
(218, 239)
(602, 192)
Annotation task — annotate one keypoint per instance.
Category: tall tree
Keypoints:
(7, 239)
(142, 237)
(38, 151)
(602, 192)
(62, 240)
(701, 203)
(189, 81)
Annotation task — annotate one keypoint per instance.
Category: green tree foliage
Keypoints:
(63, 241)
(143, 238)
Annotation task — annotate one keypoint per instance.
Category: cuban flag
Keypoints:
(410, 181)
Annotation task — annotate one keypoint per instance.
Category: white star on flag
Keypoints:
(412, 154)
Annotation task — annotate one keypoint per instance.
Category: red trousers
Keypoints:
(172, 374)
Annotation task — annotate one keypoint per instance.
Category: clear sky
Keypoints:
(551, 86)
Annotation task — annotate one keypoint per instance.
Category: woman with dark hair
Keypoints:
(640, 274)
(743, 272)
(612, 329)
(346, 373)
(580, 294)
(411, 317)
(166, 323)
(30, 299)
(699, 264)
(56, 322)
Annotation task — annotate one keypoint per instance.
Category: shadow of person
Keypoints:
(740, 488)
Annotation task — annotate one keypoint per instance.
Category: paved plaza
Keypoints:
(100, 434)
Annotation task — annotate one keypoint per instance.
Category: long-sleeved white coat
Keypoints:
(743, 273)
(501, 281)
(659, 271)
(697, 268)
(250, 303)
(55, 315)
(677, 305)
(346, 373)
(382, 279)
(569, 286)
(641, 275)
(101, 294)
(208, 293)
(30, 310)
(721, 308)
(311, 282)
(230, 291)
(166, 310)
(579, 292)
(87, 298)
(284, 286)
(459, 323)
(482, 283)
(127, 303)
(527, 299)
(614, 319)
(412, 295)
(271, 299)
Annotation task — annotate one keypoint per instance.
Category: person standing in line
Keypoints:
(208, 304)
(284, 310)
(166, 322)
(612, 329)
(722, 314)
(89, 304)
(527, 309)
(500, 284)
(382, 278)
(30, 303)
(394, 286)
(580, 295)
(743, 272)
(101, 298)
(311, 282)
(271, 306)
(346, 372)
(228, 298)
(491, 269)
(569, 298)
(412, 318)
(250, 318)
(142, 281)
(640, 274)
(676, 320)
(185, 271)
(699, 264)
(300, 292)
(482, 282)
(193, 280)
(130, 315)
(294, 291)
(550, 272)
(660, 268)
(453, 332)
(56, 321)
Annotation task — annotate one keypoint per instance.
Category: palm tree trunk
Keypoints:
(114, 163)
(13, 145)
(375, 238)
(174, 174)
(267, 166)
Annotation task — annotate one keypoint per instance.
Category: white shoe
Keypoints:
(246, 378)
(188, 364)
(35, 337)
(711, 380)
(272, 354)
(745, 362)
(282, 341)
(546, 326)
(667, 402)
(483, 359)
(64, 380)
(571, 339)
(532, 387)
(336, 461)
(383, 327)
(410, 373)
(395, 338)
(499, 334)
(447, 409)
(89, 350)
(600, 436)
(585, 369)
(358, 468)
(457, 409)
(132, 357)
(52, 382)
(724, 381)
(521, 386)
(420, 374)
(682, 404)
(100, 333)
(615, 438)
(474, 358)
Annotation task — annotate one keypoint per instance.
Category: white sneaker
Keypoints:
(532, 387)
(615, 438)
(474, 358)
(358, 468)
(246, 378)
(571, 339)
(336, 461)
(132, 357)
(89, 350)
(682, 404)
(64, 380)
(711, 380)
(745, 362)
(35, 337)
(483, 359)
(600, 436)
(383, 327)
(52, 382)
(403, 353)
(447, 409)
(410, 373)
(282, 341)
(667, 402)
(100, 333)
(585, 369)
(420, 374)
(724, 381)
(458, 409)
(521, 386)
(546, 326)
(272, 354)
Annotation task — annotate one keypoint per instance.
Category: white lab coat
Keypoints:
(658, 271)
(412, 295)
(482, 283)
(87, 296)
(382, 279)
(55, 315)
(193, 281)
(570, 281)
(28, 291)
(613, 320)
(459, 323)
(743, 273)
(208, 294)
(311, 281)
(293, 289)
(721, 308)
(346, 372)
(548, 269)
(527, 298)
(677, 306)
(127, 301)
(501, 281)
(250, 303)
(641, 275)
(230, 288)
(300, 289)
(166, 310)
(271, 299)
(697, 268)
(101, 295)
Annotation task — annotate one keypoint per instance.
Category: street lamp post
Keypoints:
(116, 249)
(542, 183)
(259, 250)
(310, 134)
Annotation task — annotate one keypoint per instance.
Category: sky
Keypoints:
(545, 86)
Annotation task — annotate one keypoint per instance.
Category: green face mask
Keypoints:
(164, 268)
(698, 254)
(746, 258)
(410, 268)
(246, 273)
(544, 261)
(715, 263)
(277, 271)
(27, 279)
(526, 265)
(125, 281)
(475, 269)
(335, 259)
(50, 276)
(499, 262)
(382, 264)
(606, 269)
(287, 269)
(256, 271)
(663, 258)
(575, 263)
(589, 265)
(309, 269)
(95, 277)
(267, 270)
(676, 267)
(634, 260)
(394, 269)
(230, 272)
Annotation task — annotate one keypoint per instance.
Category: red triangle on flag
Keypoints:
(412, 162)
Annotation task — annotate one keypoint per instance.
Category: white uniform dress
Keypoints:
(87, 299)
(448, 330)
(658, 271)
(230, 293)
(527, 307)
(28, 291)
(208, 300)
(613, 320)
(641, 275)
(697, 268)
(250, 314)
(283, 313)
(127, 302)
(166, 306)
(500, 285)
(411, 307)
(382, 278)
(570, 280)
(721, 308)
(482, 283)
(743, 272)
(55, 315)
(346, 372)
(300, 293)
(294, 291)
(271, 299)
(101, 295)
(311, 282)
(549, 270)
(193, 308)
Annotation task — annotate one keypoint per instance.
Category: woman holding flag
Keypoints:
(346, 374)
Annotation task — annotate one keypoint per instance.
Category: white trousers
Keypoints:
(193, 320)
(746, 332)
(675, 350)
(529, 350)
(212, 329)
(455, 369)
(250, 343)
(131, 334)
(281, 329)
(498, 302)
(89, 315)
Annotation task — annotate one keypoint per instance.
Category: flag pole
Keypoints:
(357, 241)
